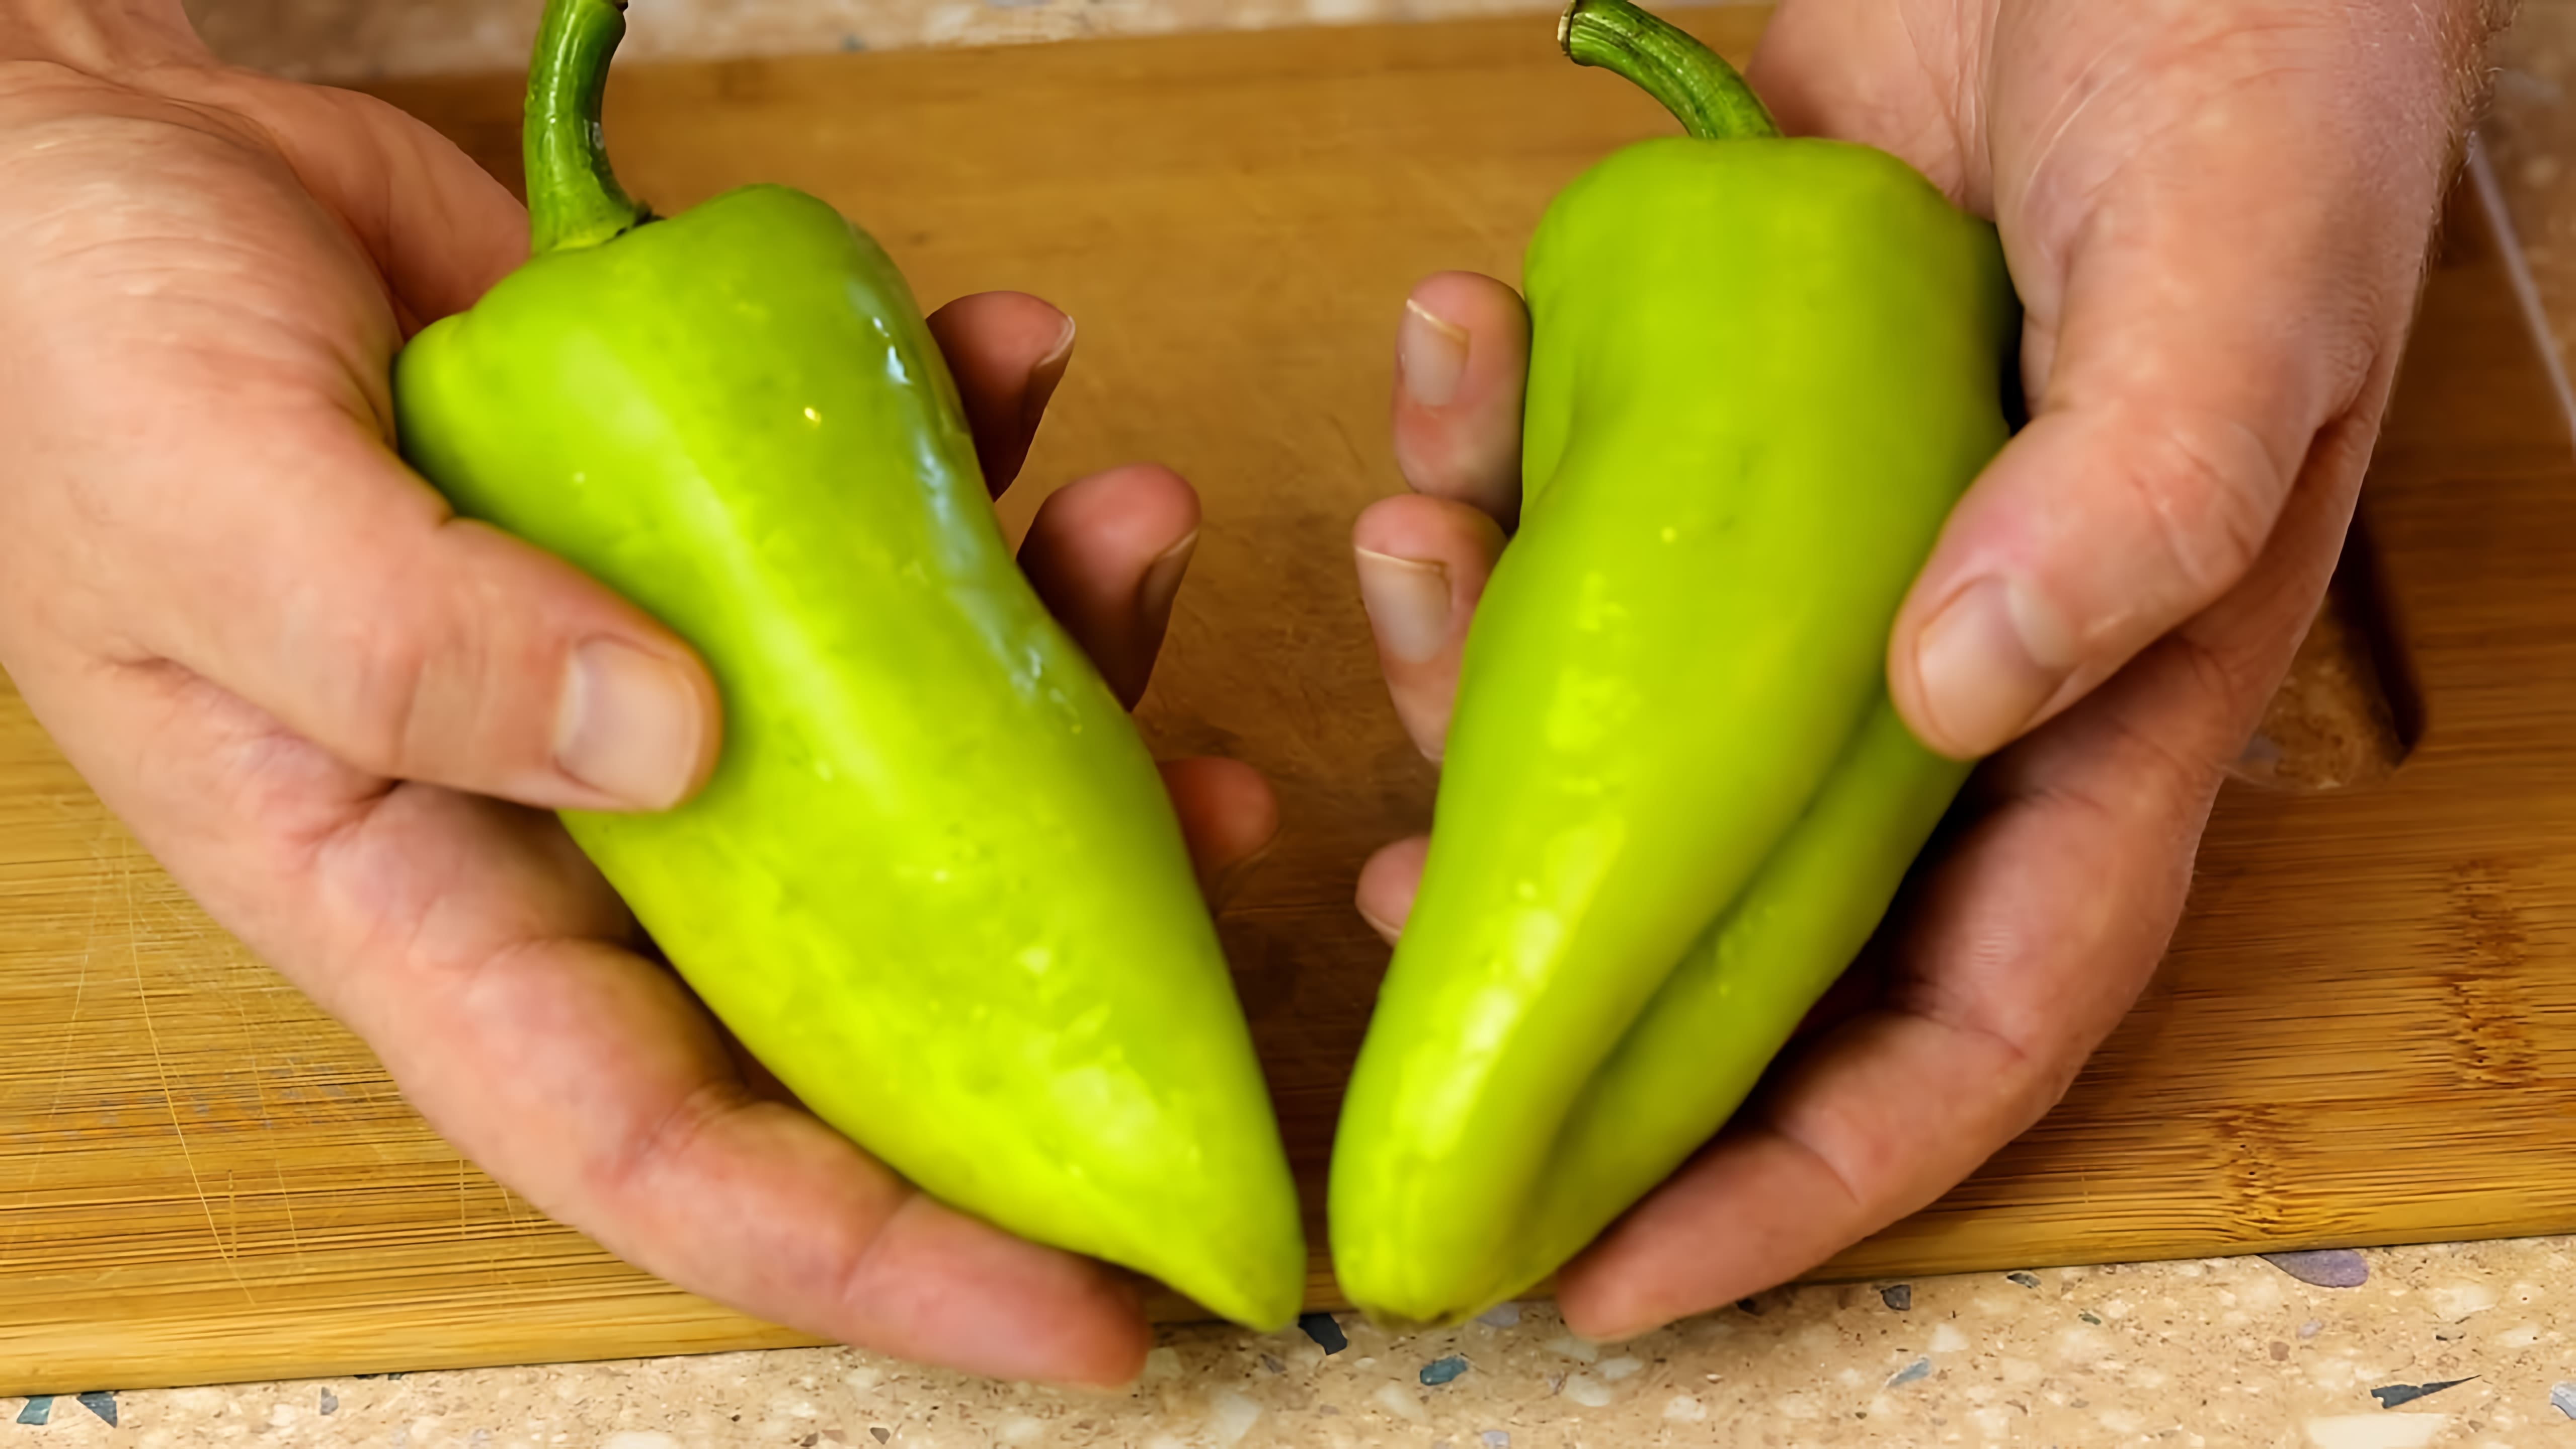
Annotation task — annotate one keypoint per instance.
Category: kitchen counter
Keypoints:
(353, 40)
(2465, 1345)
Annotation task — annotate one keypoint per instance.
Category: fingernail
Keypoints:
(1387, 931)
(1623, 1335)
(1408, 602)
(627, 724)
(1430, 354)
(1162, 582)
(1989, 661)
(1045, 374)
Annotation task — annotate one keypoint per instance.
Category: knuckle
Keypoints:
(1843, 1154)
(381, 698)
(2213, 675)
(2209, 490)
(2165, 786)
(416, 687)
(657, 1150)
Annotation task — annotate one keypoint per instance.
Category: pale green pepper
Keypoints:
(934, 884)
(1675, 800)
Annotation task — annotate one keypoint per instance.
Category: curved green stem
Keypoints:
(573, 197)
(1694, 82)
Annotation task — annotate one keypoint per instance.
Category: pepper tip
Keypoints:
(1565, 29)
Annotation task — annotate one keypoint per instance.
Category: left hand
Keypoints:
(338, 715)
(2217, 221)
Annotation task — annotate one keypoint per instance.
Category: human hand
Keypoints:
(2217, 220)
(339, 715)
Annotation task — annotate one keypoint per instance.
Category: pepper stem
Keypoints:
(1694, 82)
(573, 197)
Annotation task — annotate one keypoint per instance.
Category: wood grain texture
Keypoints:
(2367, 1031)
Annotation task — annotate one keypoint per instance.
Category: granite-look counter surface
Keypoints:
(342, 40)
(2464, 1345)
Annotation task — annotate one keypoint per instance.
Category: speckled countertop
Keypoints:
(359, 39)
(2471, 1345)
(2465, 1345)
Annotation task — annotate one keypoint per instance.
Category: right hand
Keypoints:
(2216, 218)
(339, 715)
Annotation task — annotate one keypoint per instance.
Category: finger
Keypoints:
(407, 642)
(480, 956)
(1007, 351)
(1423, 563)
(1387, 884)
(2014, 955)
(637, 1132)
(1461, 360)
(2221, 304)
(253, 526)
(438, 226)
(1107, 554)
(1891, 1108)
(1873, 73)
(1229, 818)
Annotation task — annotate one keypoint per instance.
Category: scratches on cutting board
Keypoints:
(161, 1073)
(2485, 961)
(2253, 1145)
(254, 1035)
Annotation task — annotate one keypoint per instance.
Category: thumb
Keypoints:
(440, 229)
(341, 597)
(2222, 302)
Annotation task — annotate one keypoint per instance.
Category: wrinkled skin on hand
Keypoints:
(2217, 219)
(340, 715)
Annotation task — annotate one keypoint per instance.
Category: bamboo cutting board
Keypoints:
(2366, 1033)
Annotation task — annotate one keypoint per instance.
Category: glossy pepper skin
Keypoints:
(934, 883)
(1676, 800)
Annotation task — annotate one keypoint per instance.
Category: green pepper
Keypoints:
(934, 883)
(1675, 800)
